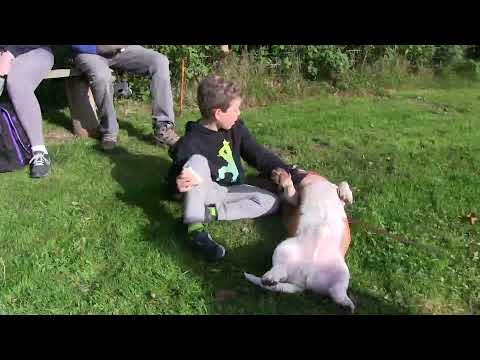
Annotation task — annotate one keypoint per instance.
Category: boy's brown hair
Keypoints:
(215, 93)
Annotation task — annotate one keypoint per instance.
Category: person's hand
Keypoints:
(281, 178)
(187, 179)
(6, 59)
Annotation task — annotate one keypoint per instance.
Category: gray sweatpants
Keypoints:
(26, 73)
(232, 202)
(135, 59)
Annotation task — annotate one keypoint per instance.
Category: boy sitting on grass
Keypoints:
(207, 166)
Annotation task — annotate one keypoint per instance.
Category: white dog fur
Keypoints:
(314, 256)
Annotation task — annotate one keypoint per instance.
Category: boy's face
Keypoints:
(225, 120)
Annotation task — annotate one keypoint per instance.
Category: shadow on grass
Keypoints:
(135, 132)
(260, 260)
(143, 179)
(59, 118)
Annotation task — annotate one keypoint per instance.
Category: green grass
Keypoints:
(100, 235)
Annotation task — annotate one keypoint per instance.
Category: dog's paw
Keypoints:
(266, 281)
(274, 276)
(282, 178)
(345, 193)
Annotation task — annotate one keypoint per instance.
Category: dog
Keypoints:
(313, 257)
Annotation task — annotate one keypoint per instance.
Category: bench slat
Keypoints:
(65, 73)
(62, 73)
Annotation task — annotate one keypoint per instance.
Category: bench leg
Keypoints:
(82, 107)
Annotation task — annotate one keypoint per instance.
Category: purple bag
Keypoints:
(15, 148)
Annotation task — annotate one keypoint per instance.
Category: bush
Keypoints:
(419, 55)
(322, 62)
(447, 55)
(468, 68)
(272, 71)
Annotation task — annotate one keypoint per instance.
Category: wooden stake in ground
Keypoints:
(182, 83)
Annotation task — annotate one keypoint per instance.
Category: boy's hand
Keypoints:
(187, 179)
(282, 178)
(184, 184)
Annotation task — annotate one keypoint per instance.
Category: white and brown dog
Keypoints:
(313, 257)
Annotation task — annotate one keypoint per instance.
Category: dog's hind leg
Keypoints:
(339, 295)
(277, 274)
(286, 253)
(287, 288)
(279, 287)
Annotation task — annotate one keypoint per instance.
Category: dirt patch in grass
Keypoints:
(59, 136)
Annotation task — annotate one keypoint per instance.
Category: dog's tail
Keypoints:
(278, 287)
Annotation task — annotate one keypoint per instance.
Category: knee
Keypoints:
(160, 64)
(270, 202)
(198, 161)
(15, 87)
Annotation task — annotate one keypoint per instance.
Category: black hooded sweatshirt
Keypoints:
(224, 150)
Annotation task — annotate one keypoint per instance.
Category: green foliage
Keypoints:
(343, 66)
(447, 55)
(327, 61)
(419, 55)
(469, 68)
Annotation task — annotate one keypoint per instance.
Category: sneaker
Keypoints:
(165, 135)
(39, 164)
(109, 142)
(203, 242)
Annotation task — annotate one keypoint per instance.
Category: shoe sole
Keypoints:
(217, 258)
(162, 145)
(209, 258)
(108, 148)
(39, 176)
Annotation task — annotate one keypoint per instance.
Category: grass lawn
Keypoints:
(100, 235)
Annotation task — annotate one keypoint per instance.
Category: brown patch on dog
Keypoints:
(291, 218)
(346, 239)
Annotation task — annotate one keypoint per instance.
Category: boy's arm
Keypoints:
(259, 157)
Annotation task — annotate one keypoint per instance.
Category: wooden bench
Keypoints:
(80, 101)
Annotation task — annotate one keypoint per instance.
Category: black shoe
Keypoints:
(203, 242)
(39, 164)
(109, 142)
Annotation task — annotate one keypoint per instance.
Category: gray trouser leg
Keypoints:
(247, 202)
(27, 72)
(96, 69)
(142, 61)
(232, 203)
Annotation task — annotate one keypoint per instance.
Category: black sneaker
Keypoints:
(203, 242)
(109, 142)
(164, 135)
(39, 164)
